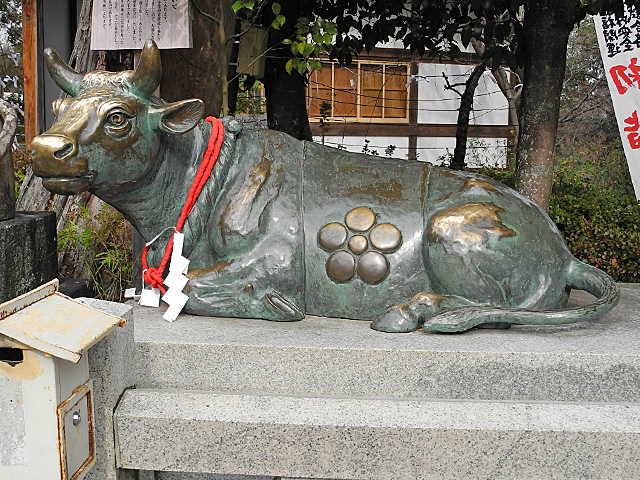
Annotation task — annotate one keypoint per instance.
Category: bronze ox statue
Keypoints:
(285, 228)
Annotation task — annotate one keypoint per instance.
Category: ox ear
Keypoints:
(180, 117)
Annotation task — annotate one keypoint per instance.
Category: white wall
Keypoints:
(356, 144)
(480, 151)
(438, 105)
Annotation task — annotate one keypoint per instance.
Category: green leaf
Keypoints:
(308, 49)
(280, 19)
(301, 67)
(301, 47)
(315, 65)
(275, 8)
(286, 41)
(237, 6)
(331, 28)
(289, 66)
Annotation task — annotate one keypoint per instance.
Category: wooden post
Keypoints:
(30, 69)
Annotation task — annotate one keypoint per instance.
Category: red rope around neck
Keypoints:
(153, 276)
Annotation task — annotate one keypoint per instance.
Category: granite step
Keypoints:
(589, 362)
(374, 438)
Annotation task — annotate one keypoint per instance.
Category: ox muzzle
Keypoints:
(57, 162)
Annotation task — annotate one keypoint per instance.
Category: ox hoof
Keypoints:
(288, 309)
(395, 320)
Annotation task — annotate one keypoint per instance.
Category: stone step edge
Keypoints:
(362, 438)
(352, 372)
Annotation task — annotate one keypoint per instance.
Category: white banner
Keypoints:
(127, 24)
(619, 40)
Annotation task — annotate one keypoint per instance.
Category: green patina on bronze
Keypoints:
(286, 228)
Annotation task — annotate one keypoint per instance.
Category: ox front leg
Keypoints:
(223, 290)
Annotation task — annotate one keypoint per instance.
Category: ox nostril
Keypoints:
(63, 152)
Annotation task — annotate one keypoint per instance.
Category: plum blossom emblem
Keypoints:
(359, 246)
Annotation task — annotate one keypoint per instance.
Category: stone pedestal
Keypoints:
(28, 255)
(331, 399)
(110, 368)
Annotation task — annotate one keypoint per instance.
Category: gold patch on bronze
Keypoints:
(373, 267)
(468, 227)
(385, 237)
(423, 298)
(360, 219)
(477, 183)
(239, 215)
(216, 267)
(341, 266)
(332, 236)
(387, 192)
(358, 244)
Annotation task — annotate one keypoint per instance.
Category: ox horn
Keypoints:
(146, 77)
(66, 77)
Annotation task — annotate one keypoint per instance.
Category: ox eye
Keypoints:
(118, 119)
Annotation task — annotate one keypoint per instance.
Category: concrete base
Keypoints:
(361, 438)
(332, 399)
(110, 363)
(28, 257)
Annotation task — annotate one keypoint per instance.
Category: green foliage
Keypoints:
(11, 21)
(598, 218)
(250, 98)
(311, 36)
(104, 243)
(595, 212)
(480, 155)
(586, 109)
(345, 28)
(21, 161)
(325, 110)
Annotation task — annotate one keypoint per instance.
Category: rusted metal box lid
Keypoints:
(53, 323)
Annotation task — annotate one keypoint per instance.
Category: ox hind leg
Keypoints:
(411, 315)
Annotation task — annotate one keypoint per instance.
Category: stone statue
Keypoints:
(285, 228)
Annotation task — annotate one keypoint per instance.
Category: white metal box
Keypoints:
(46, 413)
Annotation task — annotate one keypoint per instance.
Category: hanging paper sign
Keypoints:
(127, 24)
(619, 40)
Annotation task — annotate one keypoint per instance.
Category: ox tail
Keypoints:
(580, 276)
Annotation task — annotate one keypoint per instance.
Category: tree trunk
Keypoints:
(466, 104)
(547, 27)
(286, 93)
(201, 71)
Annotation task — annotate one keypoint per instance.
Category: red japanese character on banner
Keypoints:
(634, 126)
(621, 80)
